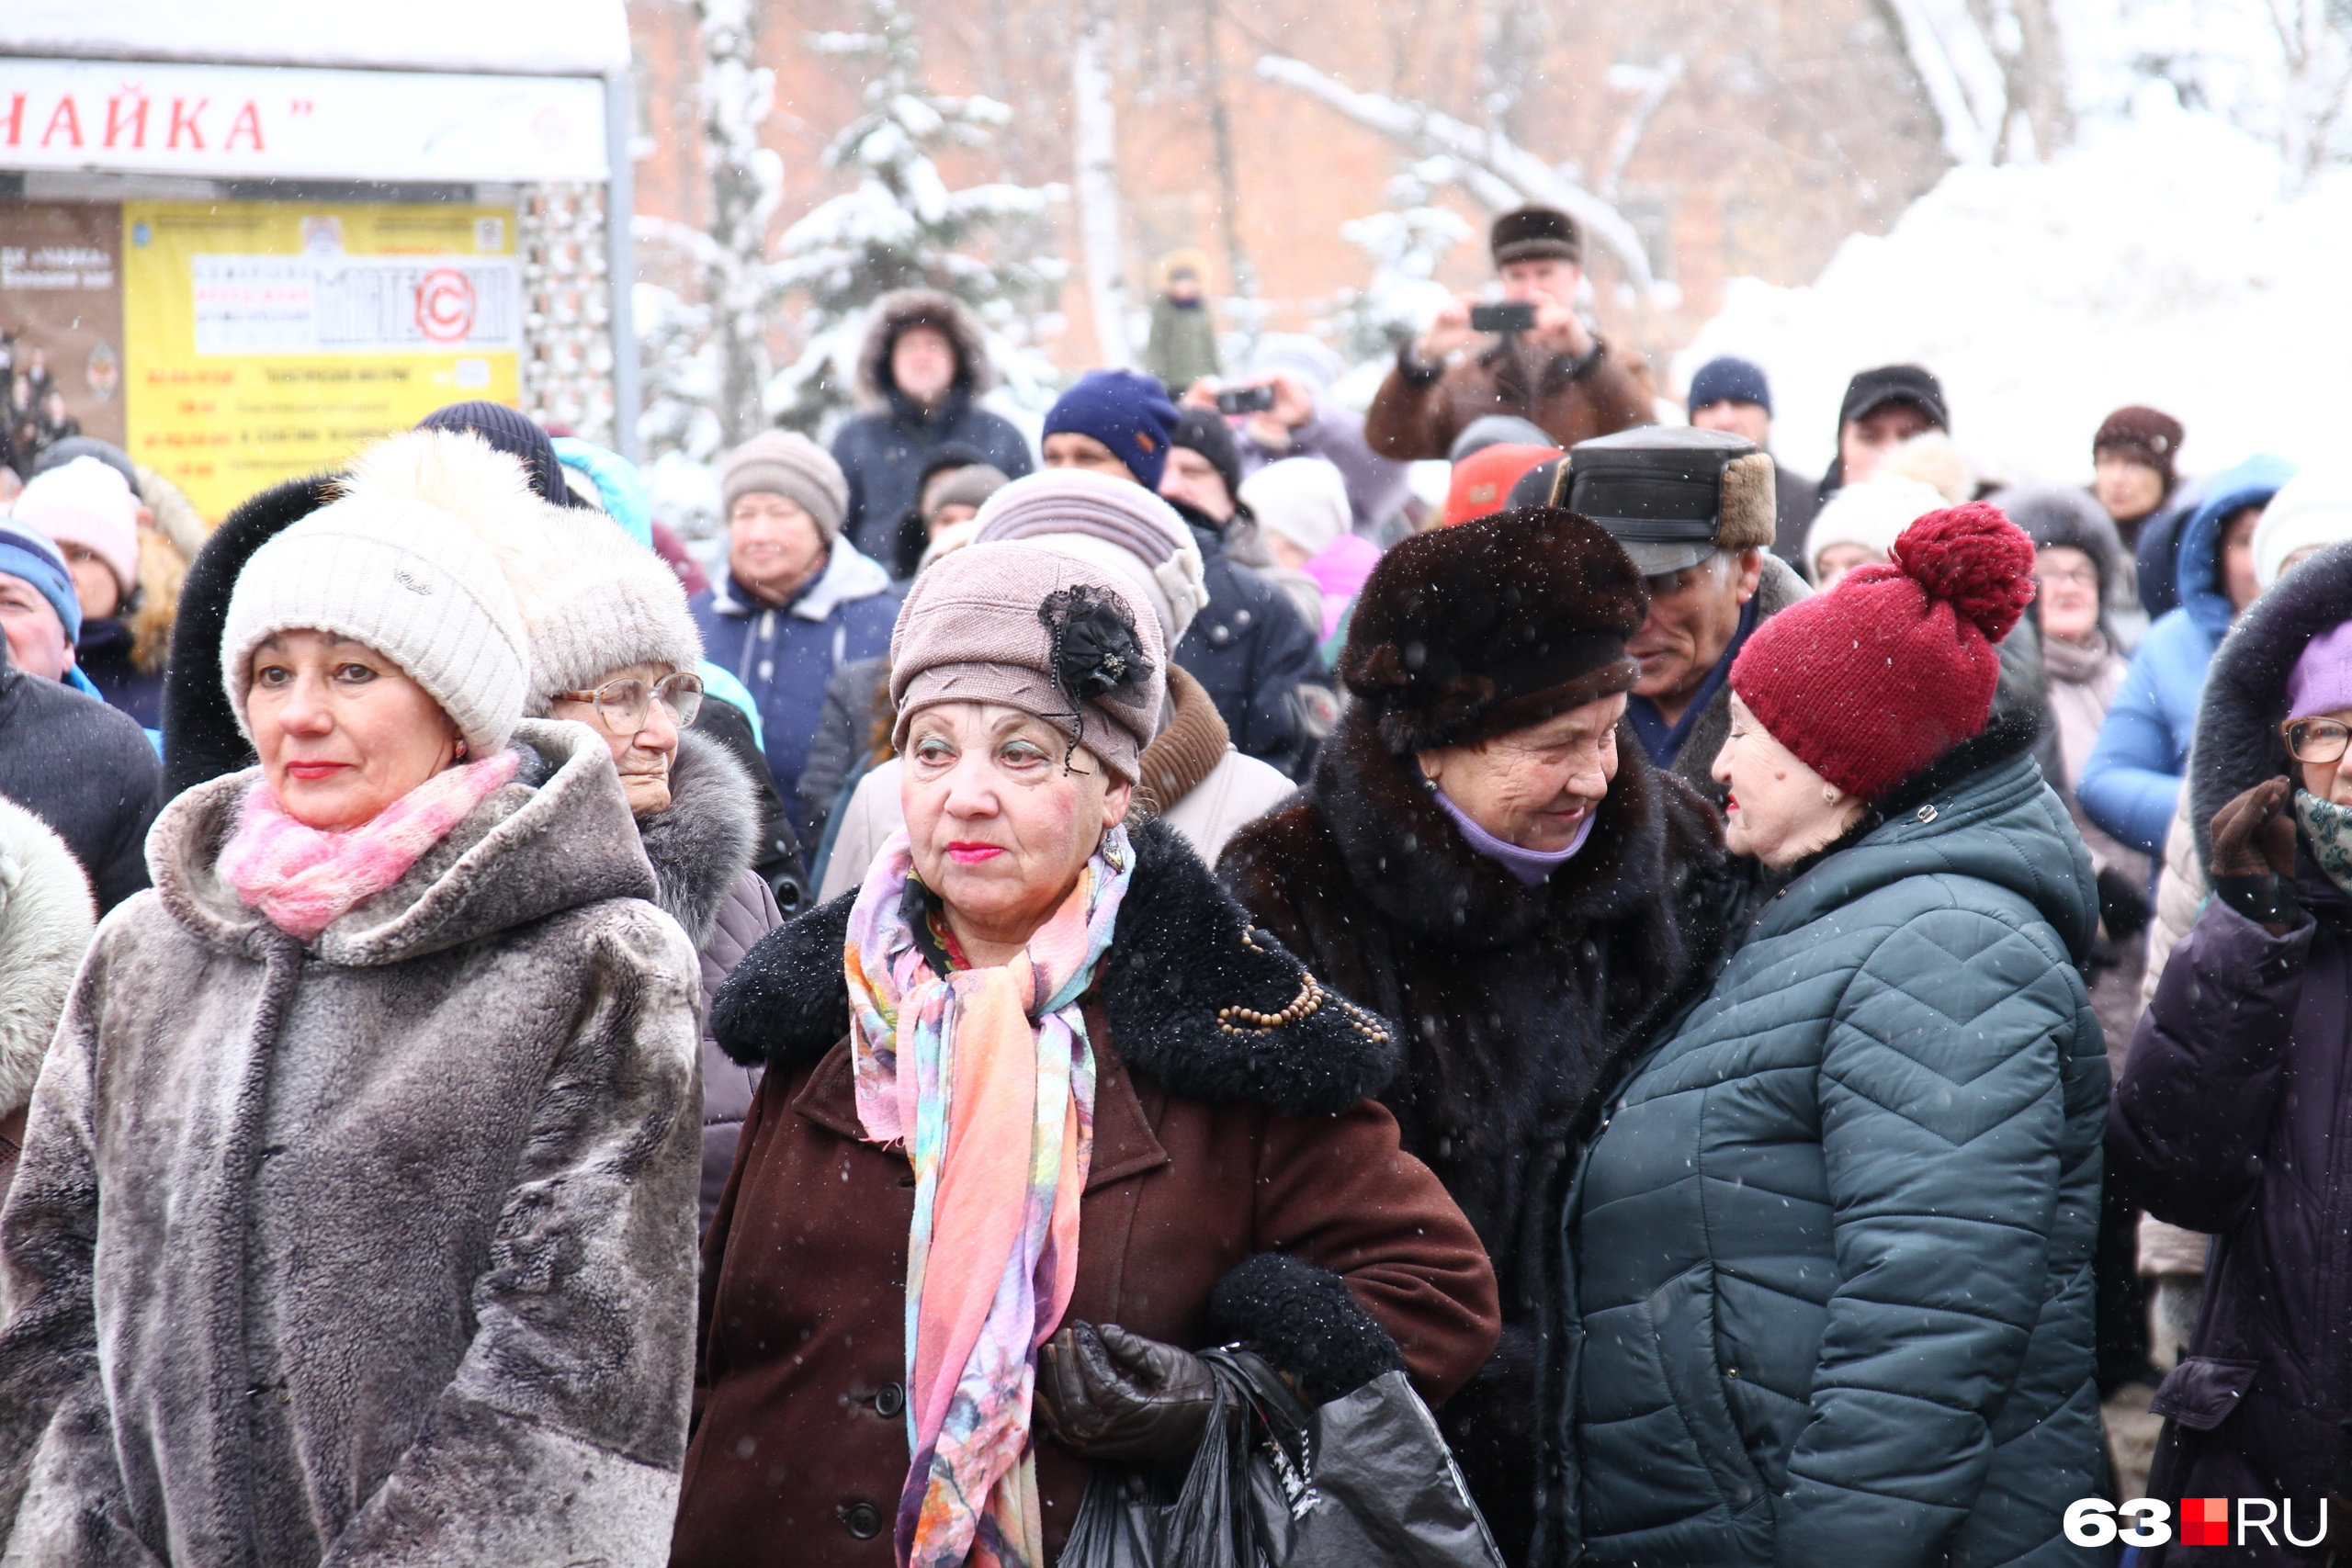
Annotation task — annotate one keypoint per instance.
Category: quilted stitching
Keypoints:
(1878, 1138)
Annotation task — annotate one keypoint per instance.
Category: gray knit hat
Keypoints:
(1032, 628)
(1111, 522)
(785, 463)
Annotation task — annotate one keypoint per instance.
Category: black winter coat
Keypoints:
(2235, 1118)
(1517, 1002)
(882, 455)
(1251, 651)
(86, 769)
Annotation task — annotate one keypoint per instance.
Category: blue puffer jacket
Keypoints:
(785, 654)
(1831, 1245)
(2132, 779)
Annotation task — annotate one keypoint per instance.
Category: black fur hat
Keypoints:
(1531, 233)
(201, 740)
(1493, 626)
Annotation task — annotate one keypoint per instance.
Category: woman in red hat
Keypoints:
(1832, 1246)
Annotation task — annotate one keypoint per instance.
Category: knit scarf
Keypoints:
(2328, 827)
(304, 879)
(986, 1079)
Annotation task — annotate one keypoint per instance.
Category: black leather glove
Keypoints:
(2122, 905)
(2252, 868)
(1106, 1394)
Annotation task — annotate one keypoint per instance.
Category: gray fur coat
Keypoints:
(379, 1251)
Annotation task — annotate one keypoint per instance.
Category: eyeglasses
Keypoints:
(2080, 576)
(2315, 741)
(624, 704)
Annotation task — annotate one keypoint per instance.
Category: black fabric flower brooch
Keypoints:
(1094, 651)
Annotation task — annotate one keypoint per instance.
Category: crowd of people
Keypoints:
(1767, 1006)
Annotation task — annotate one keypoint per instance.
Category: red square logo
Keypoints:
(2204, 1521)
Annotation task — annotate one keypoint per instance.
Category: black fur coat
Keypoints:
(1516, 1001)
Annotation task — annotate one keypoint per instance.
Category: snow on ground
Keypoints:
(2157, 262)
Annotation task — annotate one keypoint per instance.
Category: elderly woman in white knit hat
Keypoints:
(611, 646)
(356, 1218)
(1192, 777)
(1034, 1008)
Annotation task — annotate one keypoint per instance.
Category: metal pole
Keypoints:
(620, 250)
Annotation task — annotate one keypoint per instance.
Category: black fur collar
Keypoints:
(2237, 743)
(1403, 853)
(707, 838)
(1183, 968)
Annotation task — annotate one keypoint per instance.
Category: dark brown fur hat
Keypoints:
(1493, 626)
(1531, 233)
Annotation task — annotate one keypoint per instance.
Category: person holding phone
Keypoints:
(1285, 410)
(1538, 361)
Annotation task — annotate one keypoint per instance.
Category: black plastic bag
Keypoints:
(1365, 1482)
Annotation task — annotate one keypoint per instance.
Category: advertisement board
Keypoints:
(60, 325)
(272, 339)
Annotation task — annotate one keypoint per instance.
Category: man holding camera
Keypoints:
(1530, 355)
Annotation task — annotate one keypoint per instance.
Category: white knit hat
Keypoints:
(86, 503)
(2315, 508)
(592, 599)
(1868, 514)
(408, 580)
(1303, 499)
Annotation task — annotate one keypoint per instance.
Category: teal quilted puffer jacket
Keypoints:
(1831, 1246)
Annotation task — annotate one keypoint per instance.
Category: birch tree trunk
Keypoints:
(1097, 184)
(745, 183)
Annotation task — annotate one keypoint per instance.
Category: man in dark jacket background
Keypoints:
(84, 768)
(1703, 551)
(1734, 394)
(921, 373)
(1249, 647)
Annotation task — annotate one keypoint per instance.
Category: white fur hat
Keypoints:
(1303, 499)
(399, 568)
(1868, 514)
(592, 599)
(2315, 508)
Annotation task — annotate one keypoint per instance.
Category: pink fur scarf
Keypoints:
(304, 879)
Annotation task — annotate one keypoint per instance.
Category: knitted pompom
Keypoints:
(1975, 558)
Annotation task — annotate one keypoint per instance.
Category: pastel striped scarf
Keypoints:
(986, 1077)
(304, 878)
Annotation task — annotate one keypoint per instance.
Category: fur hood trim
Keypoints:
(894, 313)
(708, 837)
(1407, 859)
(2237, 744)
(46, 917)
(201, 741)
(531, 850)
(1185, 973)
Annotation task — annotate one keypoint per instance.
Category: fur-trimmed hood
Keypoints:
(706, 839)
(557, 838)
(1184, 957)
(894, 313)
(2237, 744)
(2197, 566)
(46, 917)
(201, 740)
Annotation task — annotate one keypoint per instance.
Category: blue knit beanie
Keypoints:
(1730, 380)
(1127, 413)
(27, 554)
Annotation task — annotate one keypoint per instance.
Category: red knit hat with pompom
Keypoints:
(1874, 679)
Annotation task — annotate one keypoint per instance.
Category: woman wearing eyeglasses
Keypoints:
(2230, 1117)
(614, 647)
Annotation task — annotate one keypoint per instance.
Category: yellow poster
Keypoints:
(267, 340)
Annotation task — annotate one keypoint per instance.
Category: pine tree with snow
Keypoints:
(1408, 244)
(902, 227)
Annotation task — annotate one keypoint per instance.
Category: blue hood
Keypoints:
(2197, 567)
